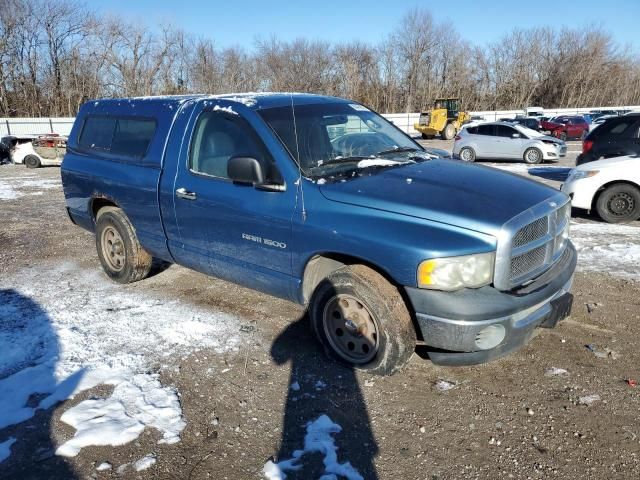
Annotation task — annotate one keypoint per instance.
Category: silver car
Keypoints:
(501, 140)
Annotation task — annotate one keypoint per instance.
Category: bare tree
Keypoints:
(56, 54)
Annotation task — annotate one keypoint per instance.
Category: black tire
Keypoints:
(532, 156)
(563, 136)
(448, 132)
(31, 161)
(619, 203)
(124, 260)
(381, 304)
(467, 154)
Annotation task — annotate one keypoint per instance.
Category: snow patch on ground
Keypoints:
(104, 466)
(5, 448)
(144, 463)
(82, 331)
(16, 187)
(608, 248)
(319, 438)
(509, 167)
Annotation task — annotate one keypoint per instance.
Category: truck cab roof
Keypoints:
(253, 100)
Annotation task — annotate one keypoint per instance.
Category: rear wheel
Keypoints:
(532, 155)
(121, 255)
(467, 154)
(361, 320)
(619, 204)
(449, 131)
(563, 136)
(31, 161)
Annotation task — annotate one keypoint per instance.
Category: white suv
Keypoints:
(502, 140)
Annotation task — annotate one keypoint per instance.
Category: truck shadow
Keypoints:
(29, 347)
(326, 428)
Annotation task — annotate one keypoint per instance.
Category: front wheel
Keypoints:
(31, 161)
(467, 154)
(121, 255)
(619, 204)
(449, 131)
(361, 320)
(532, 156)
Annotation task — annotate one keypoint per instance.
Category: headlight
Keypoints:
(453, 273)
(578, 174)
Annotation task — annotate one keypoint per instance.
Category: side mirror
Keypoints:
(250, 171)
(245, 170)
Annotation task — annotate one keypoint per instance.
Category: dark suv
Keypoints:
(615, 137)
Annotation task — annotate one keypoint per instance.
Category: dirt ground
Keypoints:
(506, 419)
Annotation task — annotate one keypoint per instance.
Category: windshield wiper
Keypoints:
(398, 150)
(333, 161)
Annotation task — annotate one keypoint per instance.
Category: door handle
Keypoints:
(184, 193)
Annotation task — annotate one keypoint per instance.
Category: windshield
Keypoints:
(336, 136)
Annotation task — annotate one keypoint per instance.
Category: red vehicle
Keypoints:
(565, 127)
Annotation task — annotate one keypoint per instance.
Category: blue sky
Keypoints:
(238, 22)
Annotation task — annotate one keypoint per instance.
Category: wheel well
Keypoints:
(320, 267)
(607, 185)
(98, 203)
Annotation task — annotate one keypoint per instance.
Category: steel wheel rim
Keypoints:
(621, 204)
(351, 329)
(113, 249)
(466, 154)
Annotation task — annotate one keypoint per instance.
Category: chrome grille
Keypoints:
(531, 232)
(526, 262)
(532, 242)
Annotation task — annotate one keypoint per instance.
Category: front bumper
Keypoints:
(451, 322)
(581, 191)
(553, 153)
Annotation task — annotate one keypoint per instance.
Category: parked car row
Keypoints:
(33, 151)
(502, 140)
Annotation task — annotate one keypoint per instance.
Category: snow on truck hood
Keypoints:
(470, 196)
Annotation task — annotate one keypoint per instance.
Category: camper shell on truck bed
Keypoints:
(321, 201)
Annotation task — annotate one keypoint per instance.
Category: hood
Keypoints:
(470, 196)
(551, 125)
(550, 138)
(629, 161)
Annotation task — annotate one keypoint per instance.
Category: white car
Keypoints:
(49, 151)
(611, 187)
(503, 140)
(599, 121)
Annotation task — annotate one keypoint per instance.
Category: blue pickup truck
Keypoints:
(322, 201)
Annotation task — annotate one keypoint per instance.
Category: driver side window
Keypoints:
(219, 136)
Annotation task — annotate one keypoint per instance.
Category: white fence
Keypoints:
(404, 121)
(35, 126)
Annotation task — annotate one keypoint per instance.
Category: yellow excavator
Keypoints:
(444, 119)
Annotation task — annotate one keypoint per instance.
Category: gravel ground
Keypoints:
(512, 418)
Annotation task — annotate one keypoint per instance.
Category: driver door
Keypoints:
(241, 233)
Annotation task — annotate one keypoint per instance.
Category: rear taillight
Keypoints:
(587, 145)
(458, 137)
